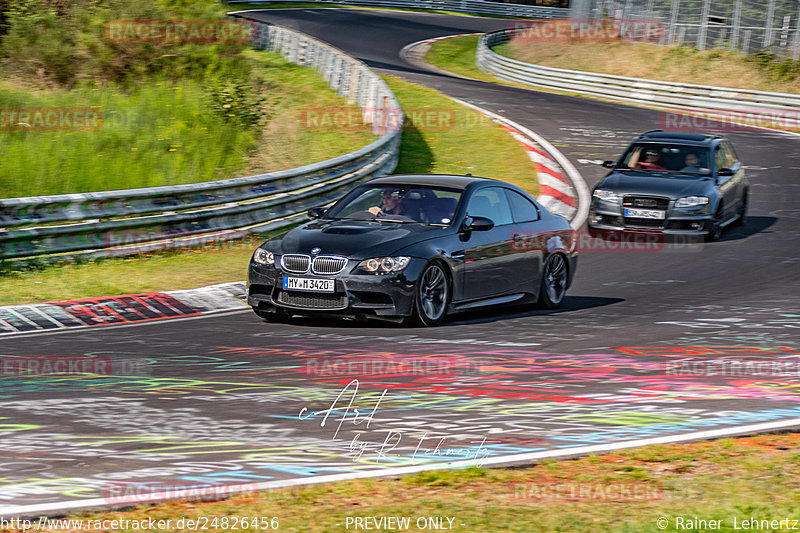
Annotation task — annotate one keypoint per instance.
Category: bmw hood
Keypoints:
(354, 238)
(671, 185)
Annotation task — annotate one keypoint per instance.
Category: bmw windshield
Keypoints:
(398, 203)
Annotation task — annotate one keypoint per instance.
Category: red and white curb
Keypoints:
(121, 310)
(562, 189)
(555, 192)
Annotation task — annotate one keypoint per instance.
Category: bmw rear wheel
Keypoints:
(432, 295)
(554, 282)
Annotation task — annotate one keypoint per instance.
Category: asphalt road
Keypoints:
(231, 399)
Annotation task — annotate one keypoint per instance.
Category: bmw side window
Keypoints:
(522, 209)
(491, 203)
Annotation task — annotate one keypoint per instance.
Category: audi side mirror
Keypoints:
(608, 164)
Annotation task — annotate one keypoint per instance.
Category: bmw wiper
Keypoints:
(382, 219)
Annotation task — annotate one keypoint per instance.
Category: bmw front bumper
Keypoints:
(355, 294)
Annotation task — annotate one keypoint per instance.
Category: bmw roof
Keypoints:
(444, 180)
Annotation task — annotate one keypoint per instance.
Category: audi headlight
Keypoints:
(607, 196)
(691, 201)
(263, 257)
(383, 265)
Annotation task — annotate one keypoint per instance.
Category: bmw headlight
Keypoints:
(383, 265)
(606, 195)
(691, 201)
(263, 257)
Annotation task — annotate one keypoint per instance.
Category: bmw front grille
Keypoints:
(328, 264)
(295, 263)
(321, 264)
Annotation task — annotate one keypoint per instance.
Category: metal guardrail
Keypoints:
(119, 222)
(713, 101)
(477, 7)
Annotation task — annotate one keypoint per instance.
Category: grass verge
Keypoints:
(442, 136)
(457, 55)
(164, 133)
(682, 64)
(453, 143)
(629, 491)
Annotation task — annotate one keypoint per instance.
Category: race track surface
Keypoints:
(229, 399)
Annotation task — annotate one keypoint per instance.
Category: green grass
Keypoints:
(474, 144)
(622, 492)
(424, 149)
(163, 133)
(683, 64)
(457, 55)
(186, 269)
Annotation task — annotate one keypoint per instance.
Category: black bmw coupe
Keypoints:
(416, 248)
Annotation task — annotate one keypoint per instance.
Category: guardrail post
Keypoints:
(701, 39)
(737, 17)
(796, 43)
(768, 24)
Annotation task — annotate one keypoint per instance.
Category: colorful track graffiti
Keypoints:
(284, 404)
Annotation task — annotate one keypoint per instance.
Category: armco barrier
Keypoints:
(115, 222)
(662, 94)
(477, 7)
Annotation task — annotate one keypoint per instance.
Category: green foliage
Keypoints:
(237, 102)
(67, 42)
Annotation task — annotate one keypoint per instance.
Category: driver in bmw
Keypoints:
(392, 205)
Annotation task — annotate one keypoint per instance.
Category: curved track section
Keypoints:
(230, 400)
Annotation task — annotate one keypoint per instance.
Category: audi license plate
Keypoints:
(645, 213)
(307, 284)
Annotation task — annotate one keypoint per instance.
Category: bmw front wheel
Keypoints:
(432, 295)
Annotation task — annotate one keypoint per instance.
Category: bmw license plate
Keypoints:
(307, 284)
(645, 213)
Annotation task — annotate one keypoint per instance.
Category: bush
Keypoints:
(62, 42)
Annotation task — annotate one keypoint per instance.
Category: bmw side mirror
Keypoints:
(480, 224)
(608, 164)
(725, 172)
(316, 212)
